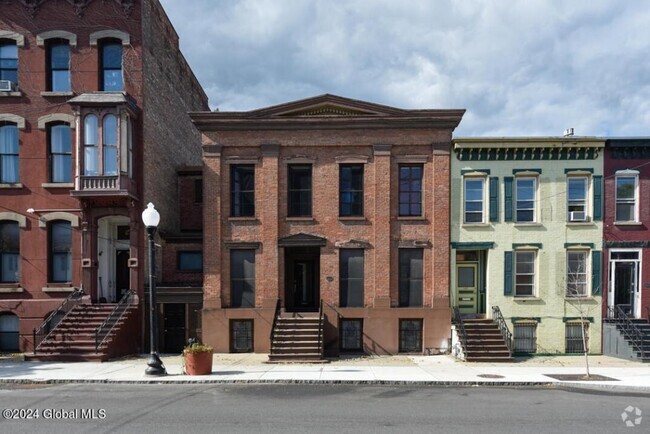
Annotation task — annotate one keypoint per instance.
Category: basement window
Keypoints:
(525, 337)
(351, 335)
(573, 337)
(241, 336)
(410, 336)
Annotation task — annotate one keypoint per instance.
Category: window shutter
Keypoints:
(507, 273)
(596, 278)
(507, 200)
(494, 199)
(598, 198)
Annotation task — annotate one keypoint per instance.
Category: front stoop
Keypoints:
(485, 342)
(296, 339)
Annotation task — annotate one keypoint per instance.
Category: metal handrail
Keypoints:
(460, 327)
(113, 317)
(503, 326)
(66, 306)
(647, 314)
(276, 315)
(320, 327)
(629, 328)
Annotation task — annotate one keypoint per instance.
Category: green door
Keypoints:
(467, 288)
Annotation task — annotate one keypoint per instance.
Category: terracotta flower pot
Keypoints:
(198, 363)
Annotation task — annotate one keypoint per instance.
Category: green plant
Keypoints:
(197, 348)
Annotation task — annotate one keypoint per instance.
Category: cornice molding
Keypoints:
(78, 6)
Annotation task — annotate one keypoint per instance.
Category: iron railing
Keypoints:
(460, 328)
(320, 328)
(505, 331)
(46, 328)
(647, 314)
(628, 327)
(276, 315)
(104, 330)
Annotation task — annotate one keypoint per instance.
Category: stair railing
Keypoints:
(41, 333)
(503, 326)
(105, 328)
(460, 328)
(629, 329)
(647, 314)
(320, 328)
(276, 315)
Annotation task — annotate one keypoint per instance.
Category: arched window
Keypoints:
(60, 149)
(109, 128)
(8, 60)
(111, 66)
(9, 332)
(8, 153)
(60, 247)
(9, 252)
(91, 150)
(58, 65)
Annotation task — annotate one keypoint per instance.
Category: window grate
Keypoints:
(410, 336)
(525, 337)
(573, 331)
(241, 336)
(351, 335)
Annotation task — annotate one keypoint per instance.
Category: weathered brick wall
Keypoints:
(190, 210)
(170, 272)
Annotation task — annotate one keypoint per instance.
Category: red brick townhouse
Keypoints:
(626, 247)
(326, 228)
(93, 126)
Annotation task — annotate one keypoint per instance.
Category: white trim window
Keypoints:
(474, 200)
(525, 199)
(576, 273)
(627, 186)
(577, 198)
(525, 267)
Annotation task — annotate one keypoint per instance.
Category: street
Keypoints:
(245, 408)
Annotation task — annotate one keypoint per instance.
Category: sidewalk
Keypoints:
(623, 376)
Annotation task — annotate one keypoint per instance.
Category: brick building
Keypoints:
(326, 206)
(93, 126)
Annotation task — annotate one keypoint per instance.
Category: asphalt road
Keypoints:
(249, 408)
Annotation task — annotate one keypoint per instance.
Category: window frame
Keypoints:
(518, 325)
(352, 192)
(534, 274)
(534, 209)
(243, 279)
(52, 254)
(309, 211)
(483, 200)
(103, 68)
(405, 282)
(13, 155)
(586, 273)
(52, 155)
(401, 348)
(344, 282)
(5, 71)
(409, 192)
(585, 201)
(250, 338)
(342, 330)
(51, 68)
(181, 253)
(8, 253)
(635, 200)
(576, 340)
(237, 195)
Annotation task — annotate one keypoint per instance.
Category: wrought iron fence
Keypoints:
(104, 330)
(629, 329)
(45, 329)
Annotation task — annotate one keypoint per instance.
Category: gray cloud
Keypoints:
(519, 68)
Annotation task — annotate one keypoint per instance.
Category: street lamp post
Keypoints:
(151, 218)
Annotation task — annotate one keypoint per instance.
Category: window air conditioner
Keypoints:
(7, 86)
(577, 216)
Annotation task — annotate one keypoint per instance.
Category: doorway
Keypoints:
(302, 271)
(174, 327)
(121, 273)
(469, 281)
(624, 284)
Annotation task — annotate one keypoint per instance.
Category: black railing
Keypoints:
(628, 327)
(104, 330)
(460, 328)
(505, 331)
(276, 315)
(320, 328)
(647, 314)
(45, 329)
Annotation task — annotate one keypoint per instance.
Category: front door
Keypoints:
(174, 327)
(625, 285)
(467, 288)
(121, 273)
(301, 279)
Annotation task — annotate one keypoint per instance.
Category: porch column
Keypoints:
(269, 289)
(382, 227)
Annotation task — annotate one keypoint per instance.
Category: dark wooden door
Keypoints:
(173, 327)
(121, 273)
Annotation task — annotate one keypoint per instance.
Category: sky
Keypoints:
(519, 68)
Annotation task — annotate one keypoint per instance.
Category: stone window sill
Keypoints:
(525, 299)
(582, 299)
(16, 185)
(10, 289)
(352, 218)
(49, 93)
(58, 289)
(628, 224)
(10, 94)
(301, 219)
(57, 185)
(242, 219)
(414, 218)
(476, 225)
(527, 225)
(581, 223)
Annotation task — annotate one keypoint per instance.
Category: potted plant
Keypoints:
(197, 359)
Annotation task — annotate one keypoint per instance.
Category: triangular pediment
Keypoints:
(302, 239)
(327, 106)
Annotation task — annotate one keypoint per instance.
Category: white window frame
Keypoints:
(586, 272)
(586, 205)
(627, 174)
(535, 180)
(534, 273)
(484, 202)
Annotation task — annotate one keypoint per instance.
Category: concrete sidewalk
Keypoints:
(623, 376)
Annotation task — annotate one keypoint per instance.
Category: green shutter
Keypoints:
(598, 198)
(507, 200)
(494, 199)
(596, 277)
(507, 273)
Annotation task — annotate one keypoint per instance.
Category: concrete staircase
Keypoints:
(634, 352)
(485, 342)
(296, 339)
(73, 338)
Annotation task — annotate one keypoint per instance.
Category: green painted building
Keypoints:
(526, 231)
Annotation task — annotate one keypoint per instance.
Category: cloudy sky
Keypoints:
(531, 67)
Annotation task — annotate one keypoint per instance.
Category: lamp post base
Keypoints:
(155, 366)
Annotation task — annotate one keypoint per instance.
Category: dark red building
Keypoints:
(93, 126)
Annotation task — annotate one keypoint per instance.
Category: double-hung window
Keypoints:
(111, 66)
(242, 190)
(60, 147)
(351, 275)
(300, 195)
(58, 65)
(577, 187)
(9, 252)
(410, 190)
(526, 198)
(525, 273)
(242, 278)
(60, 251)
(410, 277)
(474, 200)
(8, 154)
(351, 190)
(576, 273)
(626, 198)
(8, 61)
